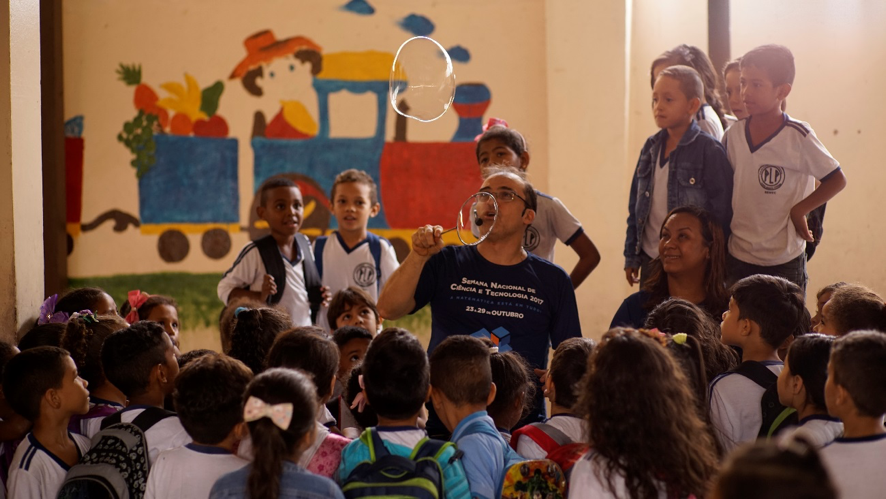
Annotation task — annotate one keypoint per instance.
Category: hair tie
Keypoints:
(136, 299)
(680, 338)
(87, 316)
(48, 315)
(238, 310)
(279, 414)
(489, 124)
(493, 350)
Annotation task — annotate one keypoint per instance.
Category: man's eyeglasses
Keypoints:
(506, 196)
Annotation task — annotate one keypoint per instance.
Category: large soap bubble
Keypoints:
(422, 83)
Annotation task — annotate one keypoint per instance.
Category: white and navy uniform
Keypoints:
(819, 430)
(249, 272)
(855, 466)
(770, 178)
(166, 434)
(571, 426)
(37, 473)
(367, 266)
(588, 480)
(190, 471)
(552, 221)
(735, 407)
(709, 122)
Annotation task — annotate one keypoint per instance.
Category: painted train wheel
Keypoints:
(216, 243)
(173, 246)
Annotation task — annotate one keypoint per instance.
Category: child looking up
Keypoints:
(209, 400)
(776, 160)
(514, 390)
(93, 299)
(634, 454)
(278, 268)
(763, 312)
(352, 342)
(140, 361)
(852, 308)
(822, 298)
(500, 145)
(42, 385)
(732, 78)
(280, 412)
(801, 387)
(353, 307)
(140, 306)
(351, 255)
(678, 166)
(856, 394)
(568, 367)
(83, 338)
(397, 382)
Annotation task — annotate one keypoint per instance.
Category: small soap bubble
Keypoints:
(422, 83)
(476, 218)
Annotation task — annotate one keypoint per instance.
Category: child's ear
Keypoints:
(52, 398)
(782, 91)
(260, 211)
(375, 209)
(332, 386)
(550, 391)
(694, 105)
(240, 430)
(524, 160)
(797, 385)
(748, 326)
(492, 391)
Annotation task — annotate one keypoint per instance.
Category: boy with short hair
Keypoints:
(396, 384)
(351, 255)
(353, 307)
(209, 399)
(42, 385)
(777, 160)
(461, 388)
(763, 313)
(855, 393)
(678, 166)
(278, 268)
(140, 361)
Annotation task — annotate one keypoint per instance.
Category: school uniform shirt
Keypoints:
(36, 472)
(553, 221)
(735, 407)
(295, 483)
(571, 426)
(855, 466)
(658, 207)
(818, 430)
(189, 471)
(709, 122)
(249, 272)
(90, 423)
(341, 267)
(588, 480)
(770, 178)
(484, 456)
(166, 434)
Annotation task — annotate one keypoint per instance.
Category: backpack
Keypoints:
(117, 464)
(559, 447)
(775, 415)
(374, 249)
(386, 475)
(274, 265)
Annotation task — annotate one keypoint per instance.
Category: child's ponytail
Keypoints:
(280, 410)
(76, 339)
(254, 331)
(83, 338)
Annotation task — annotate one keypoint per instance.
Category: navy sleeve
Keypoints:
(427, 282)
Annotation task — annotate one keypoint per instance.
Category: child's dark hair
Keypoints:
(765, 470)
(254, 331)
(854, 307)
(568, 367)
(368, 418)
(129, 355)
(511, 138)
(673, 447)
(79, 299)
(344, 334)
(83, 338)
(188, 357)
(229, 314)
(694, 57)
(776, 61)
(208, 397)
(271, 444)
(273, 183)
(43, 335)
(309, 350)
(859, 365)
(716, 297)
(152, 302)
(808, 358)
(774, 303)
(349, 299)
(733, 65)
(460, 369)
(512, 377)
(28, 375)
(358, 177)
(830, 288)
(680, 316)
(395, 374)
(690, 83)
(7, 351)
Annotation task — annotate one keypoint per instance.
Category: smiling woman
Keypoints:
(691, 265)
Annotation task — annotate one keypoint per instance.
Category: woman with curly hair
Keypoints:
(644, 443)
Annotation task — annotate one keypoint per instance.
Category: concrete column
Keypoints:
(21, 195)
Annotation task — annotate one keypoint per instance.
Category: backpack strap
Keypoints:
(543, 434)
(148, 418)
(319, 246)
(274, 265)
(782, 416)
(313, 283)
(115, 418)
(375, 250)
(377, 449)
(756, 372)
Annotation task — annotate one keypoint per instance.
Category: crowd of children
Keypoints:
(312, 397)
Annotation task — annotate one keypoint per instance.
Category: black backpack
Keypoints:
(775, 415)
(117, 464)
(274, 265)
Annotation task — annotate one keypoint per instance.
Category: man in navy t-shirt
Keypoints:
(492, 290)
